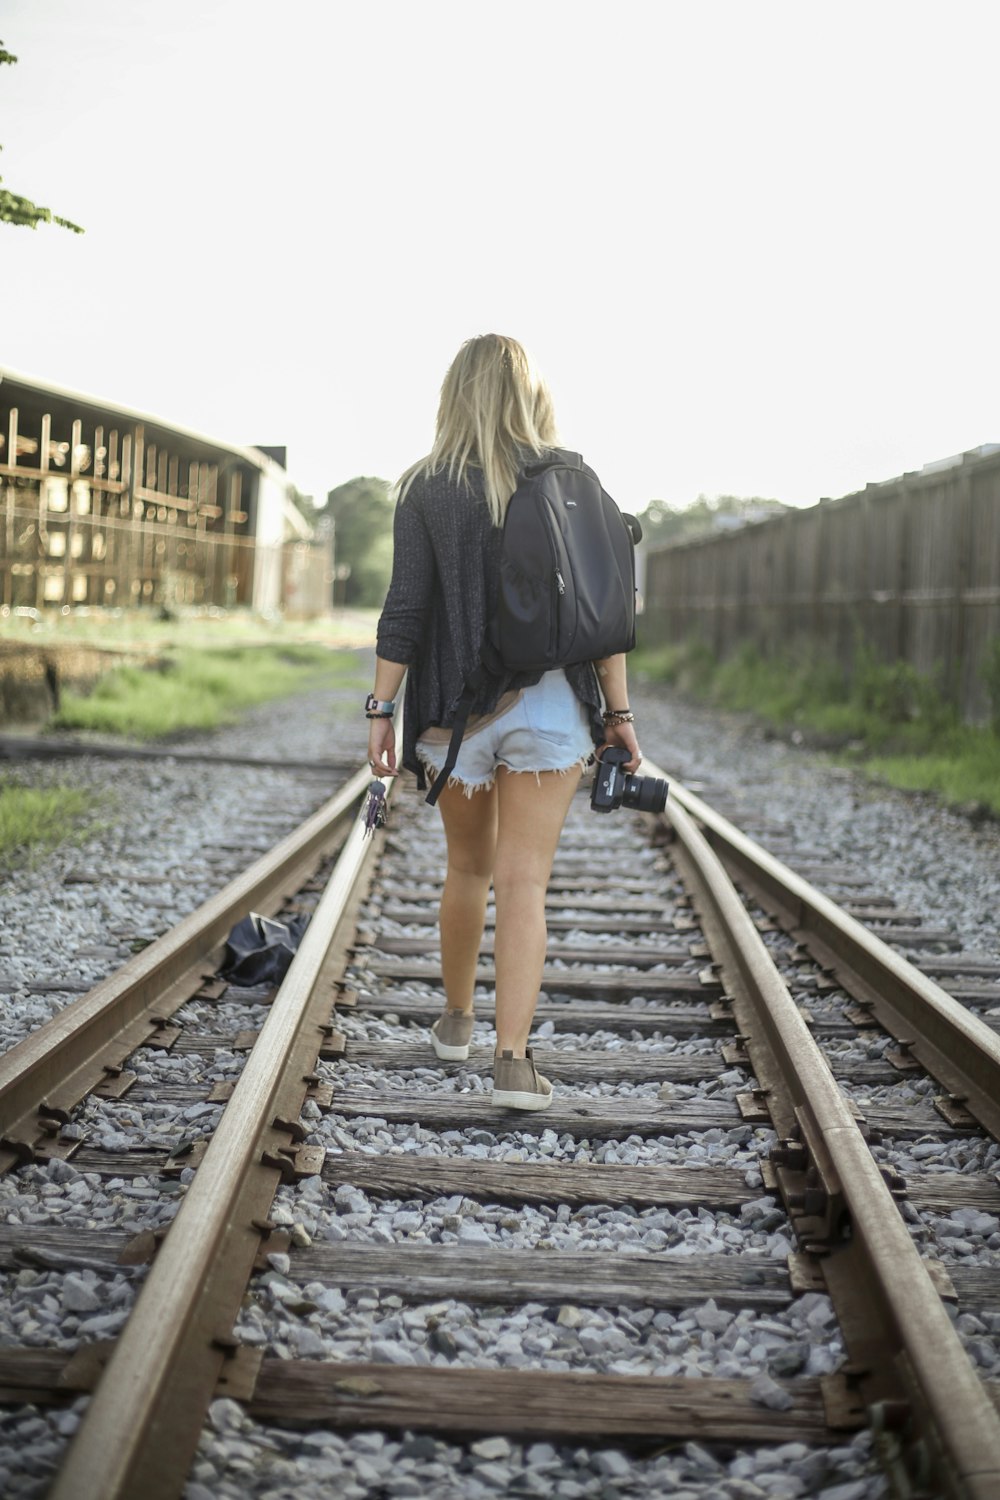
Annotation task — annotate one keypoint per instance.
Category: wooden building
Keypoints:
(103, 505)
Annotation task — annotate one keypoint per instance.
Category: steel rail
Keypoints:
(43, 1076)
(140, 1431)
(917, 1363)
(938, 1032)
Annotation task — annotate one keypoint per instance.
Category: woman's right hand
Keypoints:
(624, 735)
(382, 747)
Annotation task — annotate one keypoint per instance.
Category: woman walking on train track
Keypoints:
(501, 823)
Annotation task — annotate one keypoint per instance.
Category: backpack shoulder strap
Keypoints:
(557, 458)
(474, 685)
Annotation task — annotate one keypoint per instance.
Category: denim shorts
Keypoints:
(544, 727)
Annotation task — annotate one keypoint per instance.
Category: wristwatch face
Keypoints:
(371, 703)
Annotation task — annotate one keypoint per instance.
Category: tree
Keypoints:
(362, 516)
(17, 210)
(662, 523)
(305, 505)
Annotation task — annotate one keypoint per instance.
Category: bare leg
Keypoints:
(531, 816)
(470, 826)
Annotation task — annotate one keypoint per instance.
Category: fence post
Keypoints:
(902, 568)
(955, 686)
(819, 552)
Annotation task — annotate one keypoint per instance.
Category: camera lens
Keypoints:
(644, 793)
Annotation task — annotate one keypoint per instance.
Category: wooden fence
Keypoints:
(910, 568)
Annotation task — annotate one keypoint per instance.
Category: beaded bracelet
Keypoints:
(615, 716)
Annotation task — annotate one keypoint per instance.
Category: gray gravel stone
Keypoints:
(768, 1393)
(239, 1459)
(79, 1295)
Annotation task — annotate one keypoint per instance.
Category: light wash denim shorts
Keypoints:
(544, 727)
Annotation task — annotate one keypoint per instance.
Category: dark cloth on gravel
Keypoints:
(445, 580)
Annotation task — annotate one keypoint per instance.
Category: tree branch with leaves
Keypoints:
(17, 210)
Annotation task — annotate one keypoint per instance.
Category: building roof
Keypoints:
(15, 382)
(81, 399)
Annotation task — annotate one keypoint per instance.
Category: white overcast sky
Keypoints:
(753, 246)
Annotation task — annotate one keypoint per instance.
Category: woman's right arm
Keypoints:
(401, 625)
(381, 731)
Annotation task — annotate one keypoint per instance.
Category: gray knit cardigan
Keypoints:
(445, 572)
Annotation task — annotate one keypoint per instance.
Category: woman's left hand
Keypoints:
(624, 735)
(382, 747)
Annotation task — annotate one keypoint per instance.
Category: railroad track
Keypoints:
(745, 1157)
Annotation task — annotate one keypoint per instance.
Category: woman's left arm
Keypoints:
(613, 680)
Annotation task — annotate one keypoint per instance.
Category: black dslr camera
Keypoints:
(613, 786)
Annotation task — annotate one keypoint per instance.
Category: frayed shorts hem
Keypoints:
(470, 788)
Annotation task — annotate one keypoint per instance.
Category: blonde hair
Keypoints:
(494, 406)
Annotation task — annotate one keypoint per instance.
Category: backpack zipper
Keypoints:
(560, 582)
(554, 612)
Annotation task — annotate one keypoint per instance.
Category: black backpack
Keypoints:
(567, 582)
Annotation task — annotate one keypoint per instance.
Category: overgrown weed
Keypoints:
(888, 719)
(33, 819)
(190, 689)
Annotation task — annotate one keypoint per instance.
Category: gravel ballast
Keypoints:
(163, 821)
(933, 861)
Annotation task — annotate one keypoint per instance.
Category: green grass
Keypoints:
(888, 720)
(141, 629)
(32, 819)
(191, 689)
(964, 775)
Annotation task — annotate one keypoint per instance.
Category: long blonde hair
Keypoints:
(494, 406)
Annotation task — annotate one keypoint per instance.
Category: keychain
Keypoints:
(375, 811)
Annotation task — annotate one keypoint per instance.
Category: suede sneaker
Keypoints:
(451, 1033)
(517, 1083)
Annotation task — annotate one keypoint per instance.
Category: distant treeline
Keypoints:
(662, 522)
(361, 512)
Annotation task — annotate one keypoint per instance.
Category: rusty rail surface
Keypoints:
(907, 1361)
(141, 1429)
(43, 1076)
(953, 1045)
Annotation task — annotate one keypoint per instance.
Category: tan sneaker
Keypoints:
(517, 1083)
(451, 1033)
